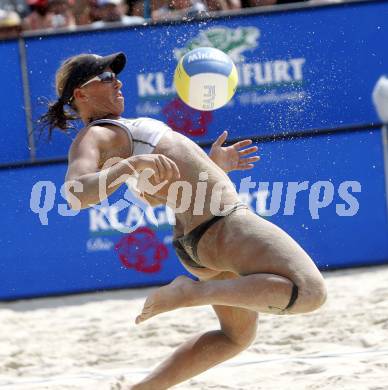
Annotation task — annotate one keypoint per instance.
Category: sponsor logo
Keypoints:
(187, 120)
(270, 81)
(232, 41)
(111, 220)
(141, 251)
(99, 244)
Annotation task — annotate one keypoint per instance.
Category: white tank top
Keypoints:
(145, 133)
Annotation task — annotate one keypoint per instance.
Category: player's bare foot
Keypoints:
(167, 298)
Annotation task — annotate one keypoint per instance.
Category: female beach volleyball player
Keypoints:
(245, 264)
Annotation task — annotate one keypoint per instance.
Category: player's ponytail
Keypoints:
(57, 115)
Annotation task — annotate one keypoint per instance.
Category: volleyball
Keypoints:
(205, 78)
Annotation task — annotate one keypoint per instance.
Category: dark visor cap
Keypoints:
(88, 66)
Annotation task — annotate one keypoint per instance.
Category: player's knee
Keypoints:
(244, 338)
(312, 294)
(243, 342)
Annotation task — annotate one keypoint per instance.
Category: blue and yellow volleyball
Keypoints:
(205, 78)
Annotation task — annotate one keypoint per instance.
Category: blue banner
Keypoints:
(299, 70)
(49, 249)
(326, 191)
(13, 134)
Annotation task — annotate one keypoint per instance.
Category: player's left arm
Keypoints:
(233, 157)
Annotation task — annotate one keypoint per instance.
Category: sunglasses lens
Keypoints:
(107, 77)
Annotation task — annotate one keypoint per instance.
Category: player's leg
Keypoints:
(274, 265)
(237, 331)
(277, 272)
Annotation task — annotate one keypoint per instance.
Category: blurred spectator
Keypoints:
(179, 9)
(223, 5)
(10, 24)
(47, 14)
(109, 11)
(18, 6)
(258, 3)
(83, 11)
(136, 8)
(61, 13)
(290, 1)
(39, 17)
(326, 1)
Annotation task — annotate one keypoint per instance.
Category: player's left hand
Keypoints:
(232, 158)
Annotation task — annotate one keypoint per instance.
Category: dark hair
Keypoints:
(56, 117)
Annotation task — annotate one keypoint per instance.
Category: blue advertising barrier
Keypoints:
(300, 70)
(13, 134)
(342, 198)
(54, 252)
(351, 228)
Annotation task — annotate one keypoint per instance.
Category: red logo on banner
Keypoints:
(141, 251)
(187, 120)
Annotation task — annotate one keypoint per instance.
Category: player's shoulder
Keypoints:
(93, 133)
(87, 137)
(147, 122)
(98, 136)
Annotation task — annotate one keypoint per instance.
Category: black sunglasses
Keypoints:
(105, 77)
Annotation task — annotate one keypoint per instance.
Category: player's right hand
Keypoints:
(164, 169)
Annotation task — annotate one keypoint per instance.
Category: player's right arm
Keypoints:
(83, 177)
(88, 183)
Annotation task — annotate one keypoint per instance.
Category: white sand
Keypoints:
(90, 341)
